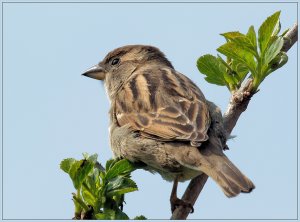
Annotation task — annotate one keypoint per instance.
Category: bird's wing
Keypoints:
(163, 104)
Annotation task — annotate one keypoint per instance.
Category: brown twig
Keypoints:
(291, 37)
(237, 105)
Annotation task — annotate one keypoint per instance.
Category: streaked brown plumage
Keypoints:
(161, 118)
(142, 103)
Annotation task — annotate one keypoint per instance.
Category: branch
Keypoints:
(190, 195)
(291, 37)
(238, 104)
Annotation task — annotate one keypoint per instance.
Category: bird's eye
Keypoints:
(115, 61)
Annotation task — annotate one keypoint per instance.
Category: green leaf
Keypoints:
(232, 50)
(109, 164)
(252, 36)
(232, 35)
(88, 195)
(212, 68)
(230, 75)
(273, 50)
(224, 63)
(93, 158)
(279, 61)
(241, 70)
(120, 185)
(121, 191)
(120, 215)
(101, 216)
(269, 28)
(108, 214)
(121, 167)
(85, 155)
(277, 28)
(242, 41)
(141, 217)
(66, 164)
(79, 171)
(93, 181)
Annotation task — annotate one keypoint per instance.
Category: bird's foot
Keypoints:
(176, 202)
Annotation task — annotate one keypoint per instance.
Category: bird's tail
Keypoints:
(228, 176)
(217, 166)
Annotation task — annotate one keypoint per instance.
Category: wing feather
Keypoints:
(163, 104)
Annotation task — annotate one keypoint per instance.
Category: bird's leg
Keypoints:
(175, 201)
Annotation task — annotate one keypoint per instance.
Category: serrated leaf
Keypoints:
(232, 50)
(252, 36)
(232, 35)
(120, 182)
(212, 68)
(273, 50)
(66, 164)
(79, 171)
(121, 167)
(241, 40)
(269, 28)
(120, 185)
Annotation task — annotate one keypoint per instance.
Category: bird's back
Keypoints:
(163, 104)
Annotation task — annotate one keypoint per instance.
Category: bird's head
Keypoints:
(121, 62)
(118, 65)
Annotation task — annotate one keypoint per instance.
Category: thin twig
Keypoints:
(237, 105)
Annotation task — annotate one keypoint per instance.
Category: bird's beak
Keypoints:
(95, 72)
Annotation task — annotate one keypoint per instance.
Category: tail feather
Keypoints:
(229, 177)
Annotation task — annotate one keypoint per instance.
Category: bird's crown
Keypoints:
(137, 53)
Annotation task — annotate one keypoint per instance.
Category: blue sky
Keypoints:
(51, 112)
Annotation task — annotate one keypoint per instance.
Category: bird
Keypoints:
(161, 119)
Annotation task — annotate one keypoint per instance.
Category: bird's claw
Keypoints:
(178, 202)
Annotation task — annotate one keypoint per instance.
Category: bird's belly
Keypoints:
(184, 175)
(160, 157)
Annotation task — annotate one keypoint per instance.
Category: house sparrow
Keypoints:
(159, 117)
